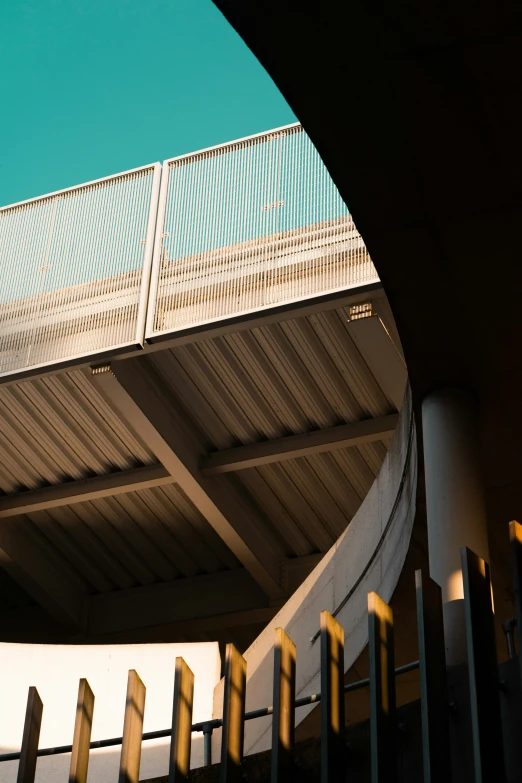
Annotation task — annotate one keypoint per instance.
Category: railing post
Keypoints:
(132, 730)
(515, 543)
(283, 719)
(233, 716)
(31, 736)
(432, 670)
(332, 699)
(82, 734)
(179, 765)
(383, 720)
(488, 753)
(207, 747)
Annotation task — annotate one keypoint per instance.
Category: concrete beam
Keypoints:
(33, 625)
(85, 489)
(382, 356)
(195, 605)
(138, 395)
(198, 629)
(294, 446)
(216, 602)
(182, 601)
(32, 562)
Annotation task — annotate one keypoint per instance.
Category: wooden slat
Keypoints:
(82, 734)
(31, 736)
(432, 670)
(488, 754)
(179, 764)
(233, 716)
(383, 720)
(132, 730)
(332, 699)
(283, 720)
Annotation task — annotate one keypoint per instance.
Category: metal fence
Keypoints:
(247, 225)
(486, 690)
(238, 227)
(75, 270)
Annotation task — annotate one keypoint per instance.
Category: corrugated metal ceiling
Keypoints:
(265, 383)
(137, 538)
(286, 378)
(57, 428)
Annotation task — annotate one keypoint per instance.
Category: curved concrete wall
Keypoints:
(373, 547)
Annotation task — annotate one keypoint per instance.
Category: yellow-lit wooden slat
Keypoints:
(82, 733)
(132, 730)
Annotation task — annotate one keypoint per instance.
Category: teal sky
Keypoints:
(92, 87)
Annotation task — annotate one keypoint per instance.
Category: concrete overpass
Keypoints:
(200, 378)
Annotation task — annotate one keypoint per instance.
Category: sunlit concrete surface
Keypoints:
(369, 556)
(55, 671)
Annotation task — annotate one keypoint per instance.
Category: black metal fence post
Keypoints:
(283, 720)
(515, 543)
(383, 719)
(132, 730)
(179, 762)
(232, 738)
(30, 739)
(433, 686)
(332, 699)
(82, 734)
(488, 752)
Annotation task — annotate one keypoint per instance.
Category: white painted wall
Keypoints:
(56, 669)
(330, 582)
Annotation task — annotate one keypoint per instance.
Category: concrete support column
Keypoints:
(456, 507)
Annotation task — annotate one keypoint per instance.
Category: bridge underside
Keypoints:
(415, 110)
(184, 492)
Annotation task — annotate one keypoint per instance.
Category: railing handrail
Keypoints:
(206, 726)
(224, 145)
(71, 188)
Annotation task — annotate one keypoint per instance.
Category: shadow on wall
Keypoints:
(55, 670)
(369, 556)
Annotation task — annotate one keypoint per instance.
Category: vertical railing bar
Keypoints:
(233, 716)
(283, 721)
(31, 737)
(383, 727)
(488, 754)
(179, 196)
(82, 734)
(432, 670)
(332, 699)
(146, 271)
(207, 747)
(515, 545)
(157, 254)
(132, 730)
(179, 762)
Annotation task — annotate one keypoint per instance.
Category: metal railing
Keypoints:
(75, 268)
(108, 265)
(205, 727)
(483, 703)
(247, 225)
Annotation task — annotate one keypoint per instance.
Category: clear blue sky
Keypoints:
(92, 87)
